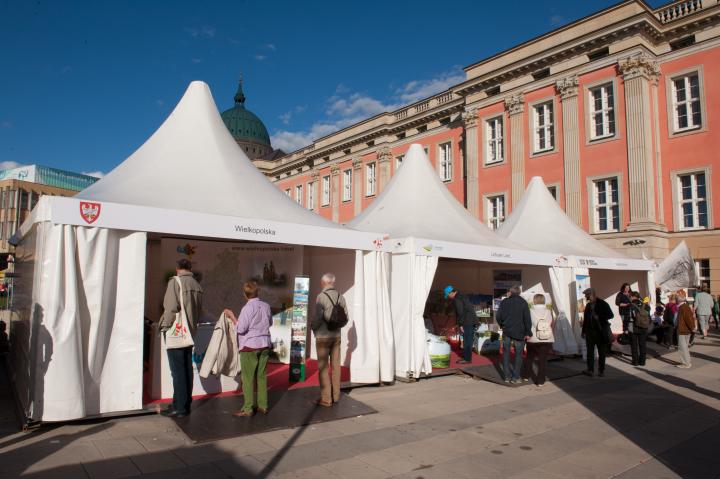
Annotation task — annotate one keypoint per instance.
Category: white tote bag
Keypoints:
(178, 336)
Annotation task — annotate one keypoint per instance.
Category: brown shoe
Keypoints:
(322, 403)
(242, 413)
(262, 410)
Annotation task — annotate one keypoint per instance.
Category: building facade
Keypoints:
(21, 189)
(618, 112)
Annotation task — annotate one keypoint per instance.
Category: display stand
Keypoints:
(298, 339)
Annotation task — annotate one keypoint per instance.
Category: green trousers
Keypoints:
(253, 367)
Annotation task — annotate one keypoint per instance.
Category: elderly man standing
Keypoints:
(327, 341)
(186, 287)
(596, 331)
(513, 316)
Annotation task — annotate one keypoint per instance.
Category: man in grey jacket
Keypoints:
(180, 359)
(327, 342)
(513, 316)
(704, 304)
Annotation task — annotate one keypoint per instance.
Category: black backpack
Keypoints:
(338, 318)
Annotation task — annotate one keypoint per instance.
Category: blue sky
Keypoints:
(83, 84)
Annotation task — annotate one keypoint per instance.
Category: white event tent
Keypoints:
(82, 262)
(539, 223)
(426, 222)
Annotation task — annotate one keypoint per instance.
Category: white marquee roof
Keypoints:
(416, 203)
(192, 163)
(538, 223)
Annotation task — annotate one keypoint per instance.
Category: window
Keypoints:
(686, 102)
(311, 196)
(325, 190)
(540, 74)
(602, 112)
(495, 211)
(370, 179)
(682, 43)
(598, 54)
(494, 141)
(607, 205)
(422, 128)
(702, 268)
(553, 191)
(692, 195)
(347, 185)
(287, 191)
(492, 91)
(544, 133)
(398, 161)
(299, 194)
(445, 161)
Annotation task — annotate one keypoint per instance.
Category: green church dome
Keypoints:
(243, 124)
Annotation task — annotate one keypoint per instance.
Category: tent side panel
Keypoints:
(607, 284)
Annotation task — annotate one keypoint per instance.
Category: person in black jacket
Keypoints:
(624, 304)
(513, 316)
(596, 331)
(466, 319)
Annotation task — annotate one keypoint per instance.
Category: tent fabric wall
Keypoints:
(374, 356)
(86, 322)
(560, 280)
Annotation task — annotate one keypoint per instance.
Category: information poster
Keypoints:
(298, 339)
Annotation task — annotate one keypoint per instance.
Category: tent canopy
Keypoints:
(192, 163)
(417, 203)
(538, 223)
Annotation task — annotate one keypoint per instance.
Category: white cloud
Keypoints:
(96, 174)
(196, 60)
(270, 46)
(416, 90)
(346, 107)
(6, 124)
(260, 57)
(203, 31)
(9, 165)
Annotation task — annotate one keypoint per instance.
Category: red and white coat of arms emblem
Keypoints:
(90, 212)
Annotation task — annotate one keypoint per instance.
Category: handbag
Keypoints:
(178, 336)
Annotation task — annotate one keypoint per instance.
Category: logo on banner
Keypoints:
(378, 244)
(90, 212)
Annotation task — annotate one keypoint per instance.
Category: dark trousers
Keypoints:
(468, 338)
(638, 343)
(669, 336)
(536, 352)
(592, 339)
(182, 374)
(626, 321)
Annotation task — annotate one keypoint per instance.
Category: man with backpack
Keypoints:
(640, 314)
(330, 316)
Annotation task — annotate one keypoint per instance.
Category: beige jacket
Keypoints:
(192, 293)
(323, 310)
(221, 355)
(541, 313)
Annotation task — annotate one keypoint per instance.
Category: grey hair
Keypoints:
(515, 289)
(329, 278)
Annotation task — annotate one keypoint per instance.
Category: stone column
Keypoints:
(385, 157)
(638, 72)
(472, 152)
(515, 105)
(568, 90)
(335, 192)
(357, 184)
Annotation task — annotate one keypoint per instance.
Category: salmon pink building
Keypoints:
(618, 112)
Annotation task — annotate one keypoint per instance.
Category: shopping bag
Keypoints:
(178, 336)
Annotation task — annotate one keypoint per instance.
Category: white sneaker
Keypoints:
(683, 366)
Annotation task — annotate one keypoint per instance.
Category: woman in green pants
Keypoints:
(253, 333)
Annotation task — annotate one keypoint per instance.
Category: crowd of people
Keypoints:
(250, 331)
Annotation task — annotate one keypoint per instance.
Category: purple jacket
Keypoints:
(253, 326)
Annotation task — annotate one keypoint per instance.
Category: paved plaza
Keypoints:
(659, 421)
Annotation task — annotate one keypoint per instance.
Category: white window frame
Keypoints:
(311, 195)
(347, 184)
(607, 110)
(545, 111)
(370, 179)
(556, 187)
(494, 124)
(398, 161)
(607, 206)
(288, 191)
(672, 103)
(299, 194)
(495, 209)
(695, 200)
(325, 198)
(445, 159)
